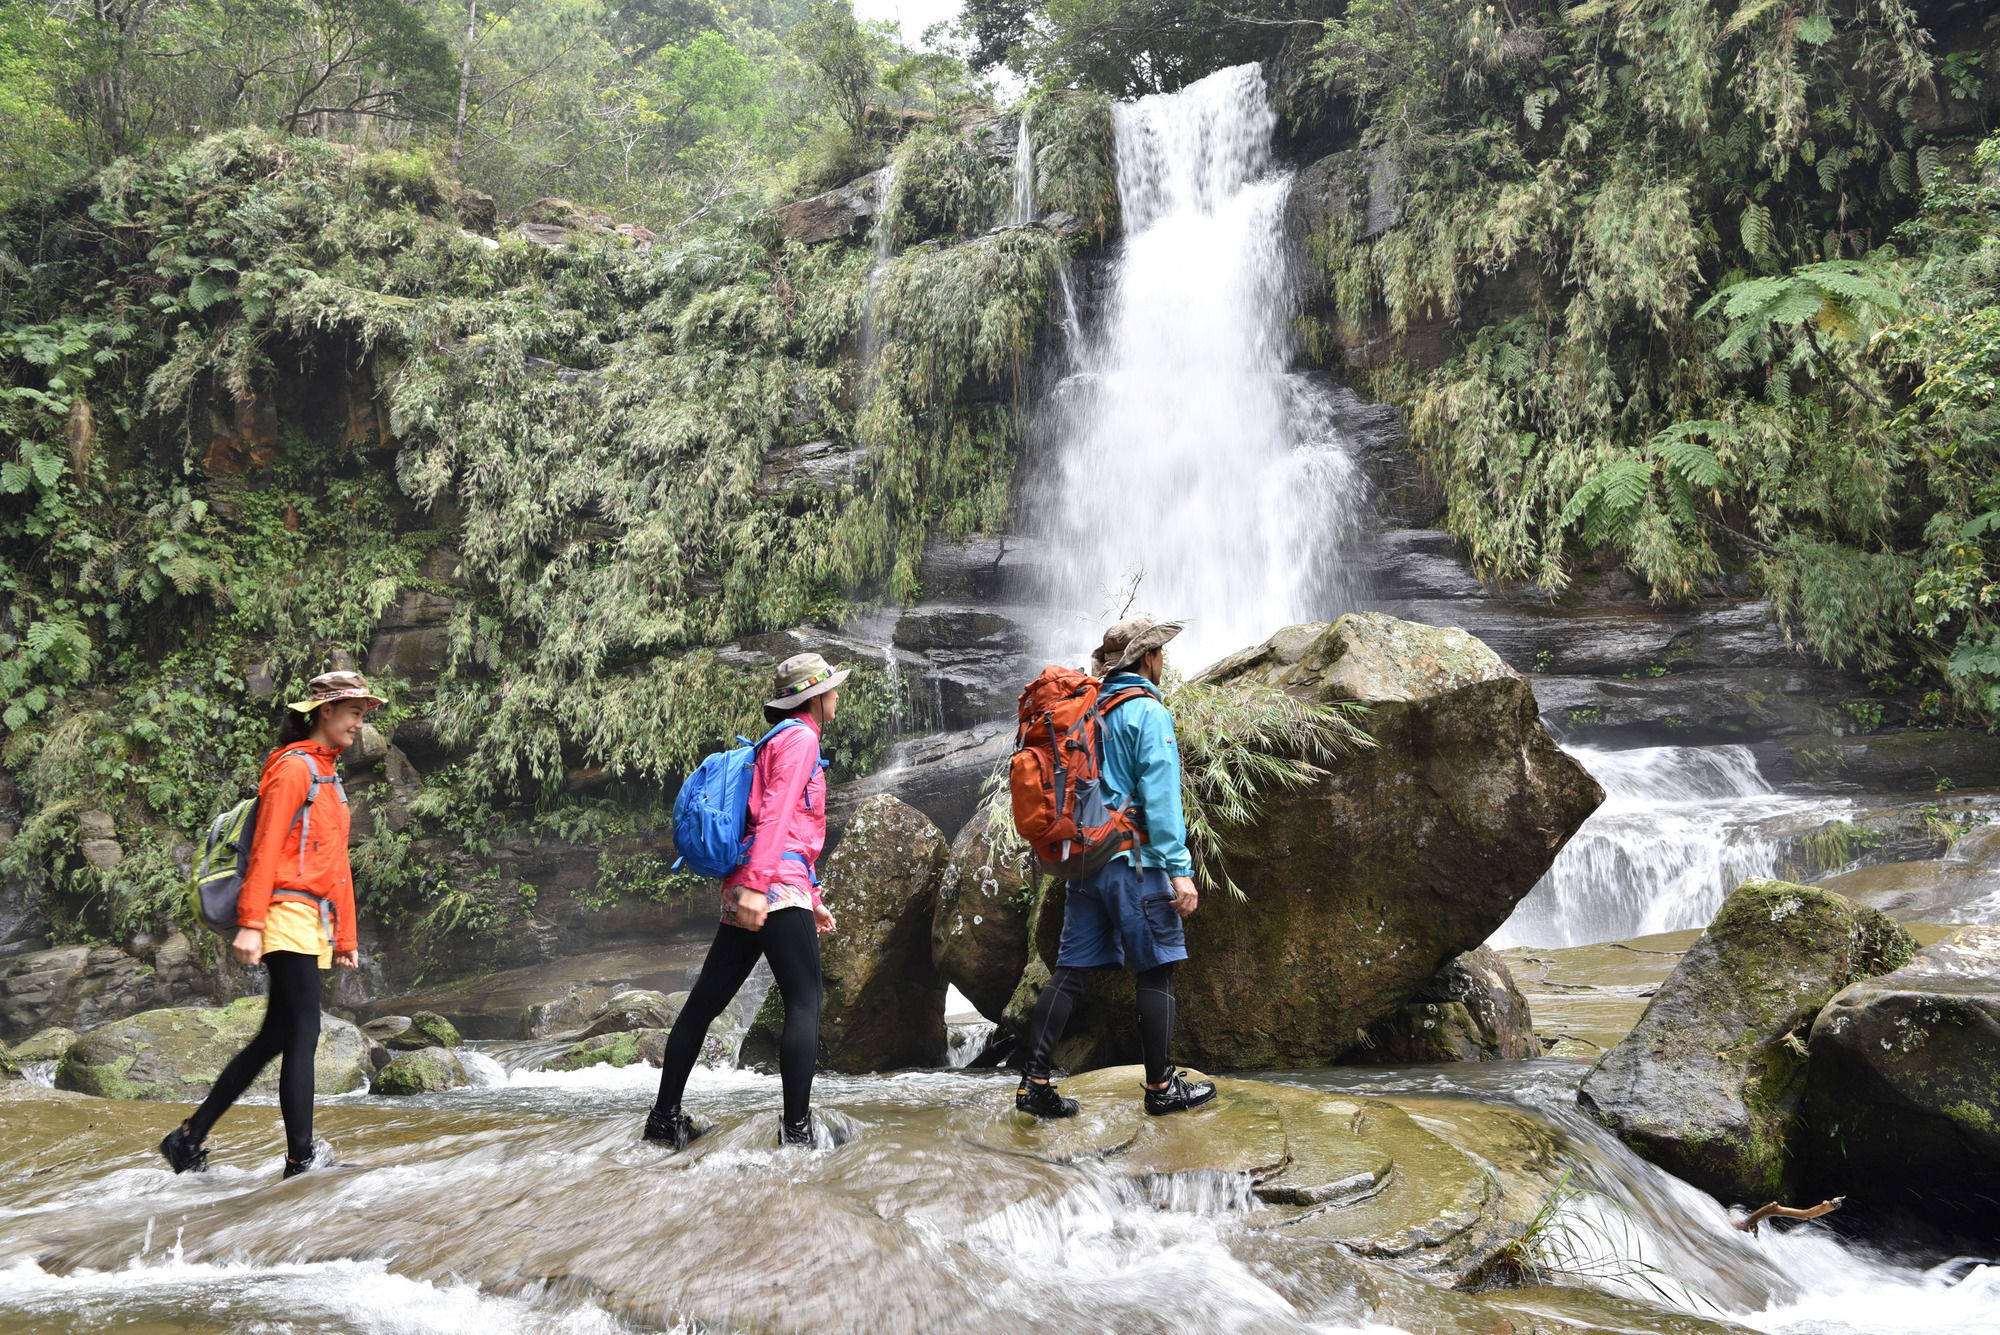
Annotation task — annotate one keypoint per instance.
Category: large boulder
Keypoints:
(82, 987)
(979, 936)
(50, 1045)
(1903, 1085)
(1361, 885)
(1470, 1011)
(1708, 1085)
(640, 1008)
(409, 1033)
(884, 1005)
(175, 1054)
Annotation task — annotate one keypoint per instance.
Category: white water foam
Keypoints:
(321, 1296)
(1188, 456)
(1680, 828)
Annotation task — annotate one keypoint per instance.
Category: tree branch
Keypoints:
(1774, 1210)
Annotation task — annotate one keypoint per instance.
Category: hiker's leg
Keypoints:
(295, 995)
(730, 959)
(1156, 1020)
(244, 1067)
(791, 943)
(1051, 1017)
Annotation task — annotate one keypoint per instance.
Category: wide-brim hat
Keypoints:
(330, 686)
(801, 677)
(1130, 640)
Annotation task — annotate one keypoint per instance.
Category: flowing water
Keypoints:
(528, 1204)
(1680, 828)
(1194, 474)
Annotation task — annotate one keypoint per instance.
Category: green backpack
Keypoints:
(225, 857)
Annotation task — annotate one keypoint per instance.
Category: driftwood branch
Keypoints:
(1774, 1210)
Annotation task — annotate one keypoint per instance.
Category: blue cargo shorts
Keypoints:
(1121, 916)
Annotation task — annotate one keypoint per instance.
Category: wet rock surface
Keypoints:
(1903, 1084)
(425, 1070)
(979, 935)
(1709, 1083)
(175, 1054)
(1470, 1010)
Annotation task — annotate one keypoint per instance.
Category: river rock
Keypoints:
(1361, 886)
(1470, 1011)
(640, 1008)
(565, 1014)
(613, 1049)
(884, 1005)
(82, 987)
(1903, 1085)
(176, 1053)
(50, 1045)
(408, 1033)
(1708, 1085)
(979, 936)
(421, 1071)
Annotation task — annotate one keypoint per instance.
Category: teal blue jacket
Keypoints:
(1141, 758)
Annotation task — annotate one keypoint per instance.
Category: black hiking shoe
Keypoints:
(675, 1129)
(183, 1152)
(293, 1167)
(795, 1133)
(1042, 1100)
(1179, 1095)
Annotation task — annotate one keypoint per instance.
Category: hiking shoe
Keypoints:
(674, 1128)
(1179, 1095)
(1042, 1100)
(183, 1152)
(293, 1167)
(795, 1133)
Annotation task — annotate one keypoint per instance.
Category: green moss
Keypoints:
(1973, 1117)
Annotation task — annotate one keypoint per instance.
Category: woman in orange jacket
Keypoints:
(295, 913)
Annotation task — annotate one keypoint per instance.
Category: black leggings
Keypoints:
(1156, 1019)
(790, 940)
(291, 1031)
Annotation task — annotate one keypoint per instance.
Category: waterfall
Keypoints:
(1188, 455)
(1680, 828)
(1024, 176)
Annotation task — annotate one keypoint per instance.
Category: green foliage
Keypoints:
(1700, 364)
(943, 186)
(1075, 167)
(1127, 47)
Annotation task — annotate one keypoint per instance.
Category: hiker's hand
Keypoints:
(248, 947)
(752, 906)
(1186, 897)
(823, 920)
(347, 959)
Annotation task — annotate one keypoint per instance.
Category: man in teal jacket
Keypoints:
(1128, 913)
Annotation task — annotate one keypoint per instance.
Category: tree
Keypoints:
(837, 51)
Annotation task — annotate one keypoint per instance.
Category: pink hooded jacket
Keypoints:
(787, 813)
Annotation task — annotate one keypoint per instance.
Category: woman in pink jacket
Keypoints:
(770, 907)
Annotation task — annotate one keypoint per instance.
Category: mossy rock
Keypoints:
(639, 1008)
(1903, 1085)
(409, 1033)
(1708, 1084)
(623, 1048)
(175, 1054)
(435, 1030)
(50, 1045)
(424, 1071)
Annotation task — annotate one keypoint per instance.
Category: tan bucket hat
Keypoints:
(330, 686)
(1130, 640)
(801, 677)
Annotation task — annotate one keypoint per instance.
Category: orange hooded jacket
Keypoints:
(277, 860)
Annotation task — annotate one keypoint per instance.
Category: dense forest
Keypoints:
(317, 313)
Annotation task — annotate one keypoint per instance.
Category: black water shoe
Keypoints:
(1179, 1095)
(795, 1133)
(184, 1153)
(293, 1167)
(674, 1128)
(1042, 1100)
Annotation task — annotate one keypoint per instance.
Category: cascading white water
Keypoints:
(1023, 212)
(1189, 456)
(1679, 829)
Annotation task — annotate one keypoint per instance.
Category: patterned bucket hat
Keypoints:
(330, 686)
(801, 677)
(1130, 640)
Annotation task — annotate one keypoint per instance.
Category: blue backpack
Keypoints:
(712, 814)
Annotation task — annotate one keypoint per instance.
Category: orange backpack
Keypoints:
(1059, 804)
